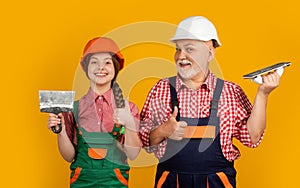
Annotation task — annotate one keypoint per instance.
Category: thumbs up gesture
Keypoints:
(174, 129)
(124, 117)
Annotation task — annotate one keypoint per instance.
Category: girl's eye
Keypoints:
(93, 62)
(108, 62)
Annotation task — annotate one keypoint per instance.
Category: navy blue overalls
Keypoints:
(196, 162)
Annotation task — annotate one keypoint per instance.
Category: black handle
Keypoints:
(58, 130)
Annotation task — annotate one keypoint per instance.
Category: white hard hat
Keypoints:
(196, 27)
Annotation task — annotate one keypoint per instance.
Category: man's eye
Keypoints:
(108, 62)
(189, 49)
(178, 49)
(93, 62)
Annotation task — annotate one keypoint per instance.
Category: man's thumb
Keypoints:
(175, 112)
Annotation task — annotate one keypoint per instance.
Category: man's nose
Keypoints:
(181, 55)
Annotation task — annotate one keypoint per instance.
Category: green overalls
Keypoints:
(98, 163)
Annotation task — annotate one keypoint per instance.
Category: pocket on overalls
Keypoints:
(75, 174)
(219, 178)
(97, 153)
(162, 179)
(121, 177)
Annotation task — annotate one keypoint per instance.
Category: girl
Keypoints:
(101, 132)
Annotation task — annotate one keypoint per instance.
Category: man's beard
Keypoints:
(187, 74)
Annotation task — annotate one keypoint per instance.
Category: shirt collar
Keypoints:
(91, 96)
(208, 83)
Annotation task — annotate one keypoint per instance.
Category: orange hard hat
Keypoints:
(102, 44)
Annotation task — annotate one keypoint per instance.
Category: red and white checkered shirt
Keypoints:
(234, 110)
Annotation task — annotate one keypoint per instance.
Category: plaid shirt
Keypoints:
(234, 110)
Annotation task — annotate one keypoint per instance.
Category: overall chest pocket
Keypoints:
(99, 145)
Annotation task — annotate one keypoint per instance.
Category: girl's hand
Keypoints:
(124, 117)
(54, 120)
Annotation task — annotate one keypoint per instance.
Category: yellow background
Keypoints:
(41, 44)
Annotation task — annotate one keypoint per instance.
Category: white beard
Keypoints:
(187, 74)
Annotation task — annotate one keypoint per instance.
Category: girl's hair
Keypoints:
(120, 103)
(117, 68)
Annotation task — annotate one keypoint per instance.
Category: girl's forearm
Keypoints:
(65, 147)
(132, 144)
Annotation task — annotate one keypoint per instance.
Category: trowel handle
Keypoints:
(58, 130)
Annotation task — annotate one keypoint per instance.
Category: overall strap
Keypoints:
(75, 113)
(214, 102)
(118, 130)
(174, 99)
(217, 93)
(75, 110)
(213, 118)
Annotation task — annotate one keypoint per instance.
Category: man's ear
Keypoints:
(211, 54)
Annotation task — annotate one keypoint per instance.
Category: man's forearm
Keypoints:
(256, 123)
(156, 136)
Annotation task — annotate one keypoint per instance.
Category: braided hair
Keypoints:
(120, 103)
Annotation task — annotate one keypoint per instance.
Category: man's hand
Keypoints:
(173, 129)
(270, 82)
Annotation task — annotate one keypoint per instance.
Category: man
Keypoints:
(189, 120)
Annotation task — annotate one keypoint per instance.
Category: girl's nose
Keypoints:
(100, 65)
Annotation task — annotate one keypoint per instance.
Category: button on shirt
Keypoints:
(91, 110)
(234, 110)
(95, 114)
